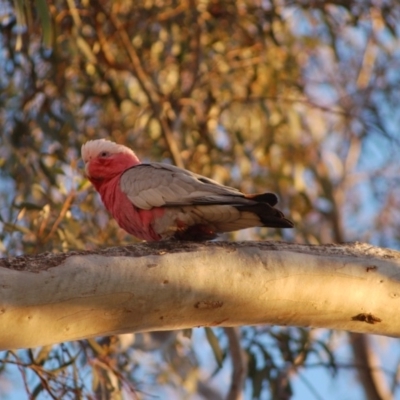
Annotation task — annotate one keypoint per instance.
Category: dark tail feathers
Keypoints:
(269, 216)
(269, 198)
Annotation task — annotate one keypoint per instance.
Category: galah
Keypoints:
(156, 201)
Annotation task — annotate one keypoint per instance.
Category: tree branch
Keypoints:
(239, 364)
(53, 298)
(372, 379)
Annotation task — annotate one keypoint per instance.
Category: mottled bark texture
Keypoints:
(52, 298)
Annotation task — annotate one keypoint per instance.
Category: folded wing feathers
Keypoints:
(152, 185)
(158, 185)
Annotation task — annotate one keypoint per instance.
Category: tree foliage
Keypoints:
(298, 97)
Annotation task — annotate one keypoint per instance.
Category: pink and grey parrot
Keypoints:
(158, 201)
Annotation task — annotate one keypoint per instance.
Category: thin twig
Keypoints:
(171, 142)
(310, 387)
(63, 211)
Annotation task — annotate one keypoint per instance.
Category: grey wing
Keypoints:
(163, 185)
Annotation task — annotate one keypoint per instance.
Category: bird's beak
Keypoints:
(87, 169)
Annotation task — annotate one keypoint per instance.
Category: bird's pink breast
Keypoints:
(130, 218)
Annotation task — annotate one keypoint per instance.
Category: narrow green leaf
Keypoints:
(43, 11)
(48, 172)
(28, 206)
(43, 355)
(37, 390)
(96, 347)
(21, 22)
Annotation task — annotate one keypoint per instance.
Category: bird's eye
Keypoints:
(104, 154)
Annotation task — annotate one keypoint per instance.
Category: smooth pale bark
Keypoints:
(49, 298)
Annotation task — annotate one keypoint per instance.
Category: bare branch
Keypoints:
(239, 364)
(372, 379)
(174, 285)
